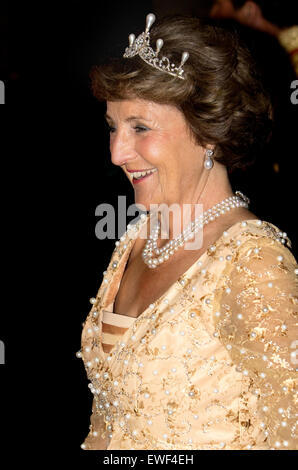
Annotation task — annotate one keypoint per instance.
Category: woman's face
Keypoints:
(148, 136)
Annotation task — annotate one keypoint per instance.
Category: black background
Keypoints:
(55, 172)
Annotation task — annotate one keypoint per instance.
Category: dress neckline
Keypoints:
(127, 252)
(203, 255)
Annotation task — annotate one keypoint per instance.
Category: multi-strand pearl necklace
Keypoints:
(164, 253)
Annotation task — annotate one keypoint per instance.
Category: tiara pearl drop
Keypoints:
(141, 47)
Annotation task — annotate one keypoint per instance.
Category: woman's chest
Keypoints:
(141, 286)
(136, 293)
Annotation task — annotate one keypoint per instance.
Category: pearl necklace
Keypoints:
(164, 253)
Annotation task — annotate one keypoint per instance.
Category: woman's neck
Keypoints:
(212, 188)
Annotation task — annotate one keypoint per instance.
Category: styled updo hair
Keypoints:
(222, 97)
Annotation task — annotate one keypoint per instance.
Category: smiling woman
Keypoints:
(222, 100)
(191, 348)
(163, 151)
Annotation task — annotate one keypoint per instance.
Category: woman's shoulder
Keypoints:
(260, 238)
(257, 228)
(246, 223)
(242, 232)
(242, 215)
(255, 251)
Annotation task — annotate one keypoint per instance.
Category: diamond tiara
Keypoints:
(141, 47)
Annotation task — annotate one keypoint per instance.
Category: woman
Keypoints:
(191, 348)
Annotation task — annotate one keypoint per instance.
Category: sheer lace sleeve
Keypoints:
(258, 326)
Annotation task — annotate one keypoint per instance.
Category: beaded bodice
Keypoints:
(212, 363)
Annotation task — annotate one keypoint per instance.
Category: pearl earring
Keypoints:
(208, 162)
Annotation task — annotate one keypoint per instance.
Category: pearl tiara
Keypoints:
(141, 47)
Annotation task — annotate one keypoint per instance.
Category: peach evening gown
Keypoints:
(212, 364)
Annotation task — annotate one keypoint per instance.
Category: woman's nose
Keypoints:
(121, 148)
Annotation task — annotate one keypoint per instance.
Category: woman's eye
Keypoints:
(140, 129)
(137, 129)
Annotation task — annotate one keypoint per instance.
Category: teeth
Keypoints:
(140, 174)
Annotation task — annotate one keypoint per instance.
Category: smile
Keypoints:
(138, 176)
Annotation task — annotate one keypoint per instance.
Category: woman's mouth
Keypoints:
(139, 176)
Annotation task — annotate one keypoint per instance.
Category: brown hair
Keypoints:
(222, 97)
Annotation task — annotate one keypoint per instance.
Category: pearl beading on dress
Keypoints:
(164, 253)
(108, 392)
(112, 393)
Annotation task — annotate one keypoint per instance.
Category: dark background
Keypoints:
(56, 171)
